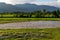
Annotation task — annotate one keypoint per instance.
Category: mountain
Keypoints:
(34, 7)
(24, 7)
(8, 8)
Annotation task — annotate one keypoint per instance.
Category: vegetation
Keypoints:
(42, 15)
(35, 14)
(11, 20)
(30, 34)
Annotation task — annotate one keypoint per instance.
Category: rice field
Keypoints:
(30, 34)
(10, 20)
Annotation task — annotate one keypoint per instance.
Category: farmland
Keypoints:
(11, 20)
(21, 22)
(30, 34)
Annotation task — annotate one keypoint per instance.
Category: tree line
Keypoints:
(35, 14)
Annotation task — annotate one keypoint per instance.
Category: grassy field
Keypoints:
(30, 34)
(9, 20)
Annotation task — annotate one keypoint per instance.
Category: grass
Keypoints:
(9, 20)
(30, 34)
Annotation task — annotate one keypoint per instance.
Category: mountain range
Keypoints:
(25, 7)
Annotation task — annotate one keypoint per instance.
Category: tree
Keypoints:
(56, 13)
(44, 12)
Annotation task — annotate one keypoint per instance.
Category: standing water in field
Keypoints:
(32, 24)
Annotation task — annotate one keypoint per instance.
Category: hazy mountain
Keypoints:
(7, 8)
(24, 7)
(33, 7)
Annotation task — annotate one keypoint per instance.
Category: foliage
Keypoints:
(11, 20)
(35, 14)
(30, 34)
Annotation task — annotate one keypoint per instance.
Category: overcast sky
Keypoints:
(38, 2)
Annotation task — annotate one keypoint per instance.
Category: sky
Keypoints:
(38, 2)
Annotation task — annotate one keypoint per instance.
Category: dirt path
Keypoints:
(33, 24)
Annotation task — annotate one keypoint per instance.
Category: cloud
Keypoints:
(38, 2)
(21, 1)
(17, 1)
(58, 0)
(44, 3)
(52, 3)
